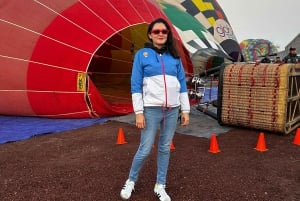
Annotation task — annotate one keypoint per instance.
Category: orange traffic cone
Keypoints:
(121, 137)
(172, 147)
(261, 144)
(214, 147)
(297, 137)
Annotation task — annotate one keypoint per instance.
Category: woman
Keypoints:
(158, 88)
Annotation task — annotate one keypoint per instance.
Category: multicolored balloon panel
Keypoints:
(195, 37)
(211, 16)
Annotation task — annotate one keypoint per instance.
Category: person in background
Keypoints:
(292, 57)
(159, 92)
(277, 60)
(266, 59)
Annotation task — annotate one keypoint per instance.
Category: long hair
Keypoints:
(170, 43)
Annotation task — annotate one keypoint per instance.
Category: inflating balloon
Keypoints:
(71, 58)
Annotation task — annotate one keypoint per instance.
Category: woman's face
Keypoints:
(159, 35)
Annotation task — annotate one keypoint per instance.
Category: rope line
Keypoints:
(40, 34)
(39, 91)
(40, 63)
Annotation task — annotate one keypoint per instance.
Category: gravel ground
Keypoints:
(87, 164)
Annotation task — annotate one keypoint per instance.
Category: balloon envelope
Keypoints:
(197, 40)
(69, 58)
(211, 16)
(255, 49)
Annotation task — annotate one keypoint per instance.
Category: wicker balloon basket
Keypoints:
(260, 96)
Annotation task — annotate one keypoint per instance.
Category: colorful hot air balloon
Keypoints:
(255, 49)
(71, 59)
(197, 40)
(211, 16)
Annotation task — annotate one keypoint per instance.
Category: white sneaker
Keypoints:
(127, 189)
(159, 190)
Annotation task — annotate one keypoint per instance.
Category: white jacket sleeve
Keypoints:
(137, 102)
(184, 102)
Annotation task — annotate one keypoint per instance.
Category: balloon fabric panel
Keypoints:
(211, 16)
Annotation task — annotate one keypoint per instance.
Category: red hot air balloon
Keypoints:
(71, 59)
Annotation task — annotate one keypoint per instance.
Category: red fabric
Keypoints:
(59, 41)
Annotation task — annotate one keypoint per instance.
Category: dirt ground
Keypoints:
(87, 165)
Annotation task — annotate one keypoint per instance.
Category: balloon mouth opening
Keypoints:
(110, 67)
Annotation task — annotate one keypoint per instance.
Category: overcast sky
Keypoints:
(275, 20)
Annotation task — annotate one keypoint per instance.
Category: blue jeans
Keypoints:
(167, 119)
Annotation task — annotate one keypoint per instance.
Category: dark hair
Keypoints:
(292, 48)
(170, 43)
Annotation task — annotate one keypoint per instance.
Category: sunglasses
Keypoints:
(157, 31)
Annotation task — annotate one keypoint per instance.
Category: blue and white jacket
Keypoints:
(158, 79)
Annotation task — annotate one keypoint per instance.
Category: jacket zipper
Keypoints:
(164, 76)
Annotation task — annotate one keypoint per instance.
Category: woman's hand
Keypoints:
(185, 119)
(140, 120)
